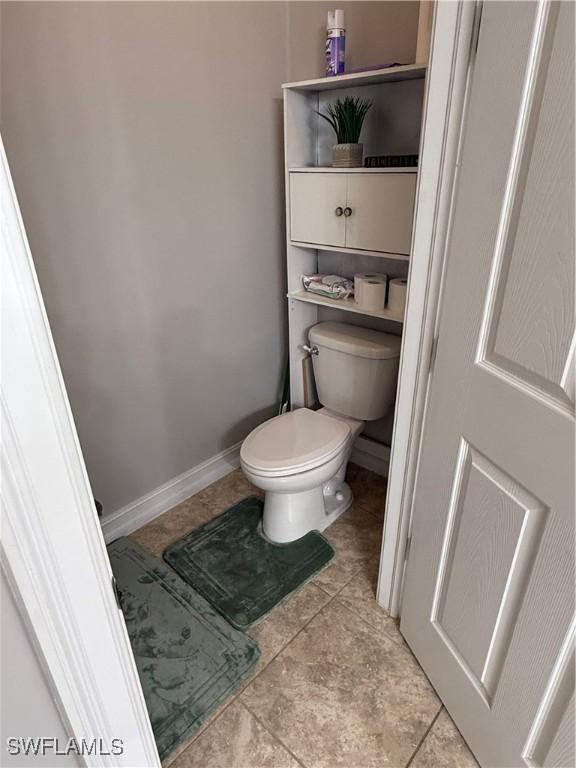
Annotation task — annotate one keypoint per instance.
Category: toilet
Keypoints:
(299, 459)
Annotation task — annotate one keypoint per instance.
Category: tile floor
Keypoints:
(336, 684)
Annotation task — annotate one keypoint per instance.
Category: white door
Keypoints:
(51, 547)
(488, 605)
(317, 203)
(381, 209)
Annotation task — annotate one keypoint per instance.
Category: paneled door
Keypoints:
(488, 604)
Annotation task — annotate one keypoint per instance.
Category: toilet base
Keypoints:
(337, 504)
(289, 516)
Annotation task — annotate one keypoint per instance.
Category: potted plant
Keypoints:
(346, 116)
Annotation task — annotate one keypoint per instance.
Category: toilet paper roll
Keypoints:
(361, 278)
(397, 295)
(373, 294)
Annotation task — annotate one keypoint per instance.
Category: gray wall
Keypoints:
(27, 708)
(145, 143)
(376, 33)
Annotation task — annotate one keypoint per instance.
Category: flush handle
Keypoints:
(311, 350)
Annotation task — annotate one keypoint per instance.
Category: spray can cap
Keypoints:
(335, 19)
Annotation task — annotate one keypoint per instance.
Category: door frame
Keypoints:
(52, 549)
(454, 39)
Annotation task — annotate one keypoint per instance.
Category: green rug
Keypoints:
(238, 571)
(188, 657)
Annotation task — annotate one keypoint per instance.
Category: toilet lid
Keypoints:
(293, 442)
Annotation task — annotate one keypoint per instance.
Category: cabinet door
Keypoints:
(382, 207)
(316, 199)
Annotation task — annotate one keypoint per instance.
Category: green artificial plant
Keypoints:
(346, 116)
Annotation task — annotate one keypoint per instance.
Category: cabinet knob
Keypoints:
(339, 211)
(347, 211)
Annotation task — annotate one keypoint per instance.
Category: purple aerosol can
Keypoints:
(335, 43)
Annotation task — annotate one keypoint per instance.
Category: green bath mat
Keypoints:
(189, 658)
(238, 571)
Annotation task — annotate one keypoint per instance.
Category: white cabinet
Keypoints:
(382, 207)
(317, 202)
(360, 211)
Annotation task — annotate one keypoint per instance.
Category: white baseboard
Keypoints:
(136, 514)
(366, 453)
(371, 455)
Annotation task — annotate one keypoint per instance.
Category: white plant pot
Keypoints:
(347, 155)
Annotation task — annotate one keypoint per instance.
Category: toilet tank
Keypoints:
(356, 369)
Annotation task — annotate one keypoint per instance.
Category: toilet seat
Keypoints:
(293, 442)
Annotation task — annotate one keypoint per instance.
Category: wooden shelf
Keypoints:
(347, 305)
(371, 77)
(329, 169)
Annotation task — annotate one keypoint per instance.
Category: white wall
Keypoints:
(145, 143)
(27, 708)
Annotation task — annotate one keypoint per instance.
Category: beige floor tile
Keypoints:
(272, 634)
(285, 621)
(357, 538)
(369, 489)
(170, 761)
(172, 525)
(444, 747)
(235, 740)
(343, 694)
(359, 596)
(226, 492)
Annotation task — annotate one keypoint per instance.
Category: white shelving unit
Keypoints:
(391, 127)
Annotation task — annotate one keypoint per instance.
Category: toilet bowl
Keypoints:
(299, 458)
